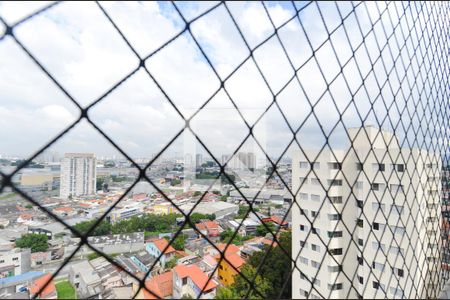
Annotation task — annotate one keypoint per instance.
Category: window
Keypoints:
(376, 226)
(360, 260)
(396, 291)
(304, 165)
(359, 166)
(303, 244)
(400, 272)
(360, 223)
(315, 198)
(303, 212)
(304, 293)
(381, 167)
(315, 230)
(378, 206)
(316, 282)
(376, 186)
(15, 259)
(303, 181)
(315, 247)
(400, 168)
(397, 209)
(303, 276)
(376, 245)
(334, 234)
(314, 213)
(315, 264)
(396, 250)
(335, 166)
(334, 217)
(221, 267)
(377, 266)
(336, 200)
(336, 251)
(334, 269)
(316, 165)
(303, 228)
(361, 242)
(359, 203)
(303, 260)
(315, 181)
(303, 196)
(335, 182)
(398, 230)
(375, 285)
(361, 279)
(396, 188)
(184, 281)
(336, 286)
(359, 185)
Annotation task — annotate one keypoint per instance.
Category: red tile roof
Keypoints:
(161, 285)
(26, 216)
(65, 209)
(140, 197)
(232, 248)
(196, 275)
(161, 244)
(39, 283)
(212, 227)
(276, 220)
(232, 255)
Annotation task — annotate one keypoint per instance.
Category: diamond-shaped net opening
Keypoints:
(315, 134)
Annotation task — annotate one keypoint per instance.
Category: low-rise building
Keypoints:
(230, 265)
(14, 262)
(157, 246)
(49, 292)
(161, 287)
(190, 281)
(85, 280)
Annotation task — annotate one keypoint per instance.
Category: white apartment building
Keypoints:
(14, 262)
(78, 175)
(367, 224)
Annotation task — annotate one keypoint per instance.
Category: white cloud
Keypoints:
(87, 56)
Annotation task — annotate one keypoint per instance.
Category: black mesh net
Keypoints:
(345, 102)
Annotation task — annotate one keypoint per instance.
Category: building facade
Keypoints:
(78, 175)
(367, 224)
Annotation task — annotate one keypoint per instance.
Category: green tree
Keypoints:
(274, 271)
(99, 183)
(179, 242)
(197, 193)
(261, 230)
(225, 237)
(261, 288)
(243, 209)
(29, 206)
(103, 228)
(175, 182)
(275, 267)
(36, 242)
(224, 198)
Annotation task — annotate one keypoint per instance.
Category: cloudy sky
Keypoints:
(372, 64)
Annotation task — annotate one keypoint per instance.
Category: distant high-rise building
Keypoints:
(251, 161)
(198, 160)
(78, 175)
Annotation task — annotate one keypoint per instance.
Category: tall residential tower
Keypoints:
(367, 225)
(78, 175)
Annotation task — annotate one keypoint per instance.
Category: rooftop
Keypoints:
(161, 244)
(38, 283)
(197, 276)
